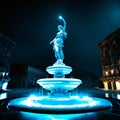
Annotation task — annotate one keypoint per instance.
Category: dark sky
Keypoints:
(32, 24)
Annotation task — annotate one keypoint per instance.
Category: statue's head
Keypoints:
(60, 27)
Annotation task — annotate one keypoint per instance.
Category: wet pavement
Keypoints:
(6, 114)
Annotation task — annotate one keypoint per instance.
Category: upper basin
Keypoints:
(56, 69)
(59, 83)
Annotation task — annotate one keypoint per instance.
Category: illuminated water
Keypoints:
(38, 116)
(52, 105)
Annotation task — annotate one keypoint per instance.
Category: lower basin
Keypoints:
(59, 83)
(68, 105)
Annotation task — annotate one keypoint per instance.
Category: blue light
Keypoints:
(60, 17)
(63, 83)
(36, 116)
(71, 103)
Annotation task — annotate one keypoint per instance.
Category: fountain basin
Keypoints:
(57, 69)
(59, 83)
(49, 105)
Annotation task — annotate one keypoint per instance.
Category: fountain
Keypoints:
(59, 99)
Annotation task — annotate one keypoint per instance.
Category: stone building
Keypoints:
(24, 76)
(110, 58)
(6, 49)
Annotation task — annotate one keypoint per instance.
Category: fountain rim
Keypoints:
(101, 107)
(63, 83)
(59, 79)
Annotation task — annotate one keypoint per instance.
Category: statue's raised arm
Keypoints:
(64, 22)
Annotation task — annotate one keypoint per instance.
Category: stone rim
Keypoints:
(104, 105)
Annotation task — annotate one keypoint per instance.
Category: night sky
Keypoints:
(32, 24)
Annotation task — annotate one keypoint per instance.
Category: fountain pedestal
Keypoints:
(59, 84)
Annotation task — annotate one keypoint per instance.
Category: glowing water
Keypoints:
(36, 116)
(59, 83)
(51, 105)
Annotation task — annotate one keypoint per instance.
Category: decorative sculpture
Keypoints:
(58, 42)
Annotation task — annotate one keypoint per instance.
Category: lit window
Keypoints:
(112, 71)
(3, 74)
(106, 73)
(117, 85)
(3, 96)
(107, 95)
(118, 96)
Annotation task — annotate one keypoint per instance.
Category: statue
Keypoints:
(58, 42)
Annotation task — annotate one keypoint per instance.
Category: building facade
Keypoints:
(110, 58)
(6, 49)
(24, 76)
